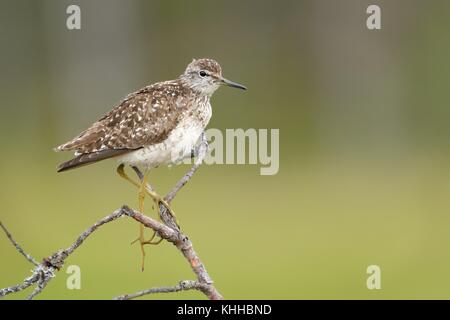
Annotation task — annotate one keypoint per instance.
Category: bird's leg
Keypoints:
(143, 190)
(156, 198)
(121, 172)
(141, 199)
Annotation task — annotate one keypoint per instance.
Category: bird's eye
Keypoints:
(202, 73)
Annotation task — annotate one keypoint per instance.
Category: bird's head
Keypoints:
(205, 76)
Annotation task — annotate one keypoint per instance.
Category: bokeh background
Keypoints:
(364, 121)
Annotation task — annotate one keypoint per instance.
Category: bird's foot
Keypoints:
(158, 201)
(143, 242)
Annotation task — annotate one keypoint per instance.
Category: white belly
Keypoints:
(175, 148)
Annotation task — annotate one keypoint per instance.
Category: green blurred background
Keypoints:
(364, 145)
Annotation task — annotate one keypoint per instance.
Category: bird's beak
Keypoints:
(232, 84)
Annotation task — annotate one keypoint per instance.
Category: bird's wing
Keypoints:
(143, 118)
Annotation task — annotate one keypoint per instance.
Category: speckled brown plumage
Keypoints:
(148, 117)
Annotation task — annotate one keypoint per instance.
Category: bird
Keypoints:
(157, 125)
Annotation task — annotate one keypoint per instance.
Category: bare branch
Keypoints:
(18, 247)
(116, 214)
(45, 275)
(45, 271)
(181, 241)
(22, 286)
(182, 286)
(168, 230)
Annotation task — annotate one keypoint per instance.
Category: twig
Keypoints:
(116, 214)
(22, 286)
(18, 247)
(183, 244)
(46, 274)
(168, 230)
(45, 271)
(182, 286)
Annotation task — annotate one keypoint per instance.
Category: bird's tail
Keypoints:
(89, 158)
